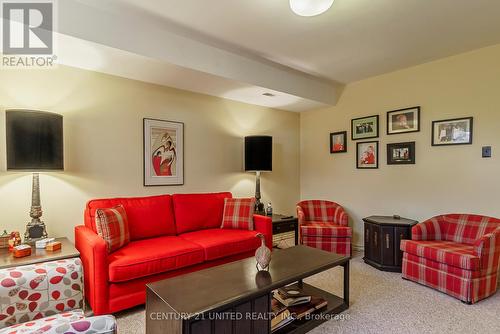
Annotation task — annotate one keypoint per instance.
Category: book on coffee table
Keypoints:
(300, 311)
(281, 320)
(292, 300)
(291, 292)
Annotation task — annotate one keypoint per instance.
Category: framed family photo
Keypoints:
(338, 142)
(401, 153)
(163, 152)
(452, 132)
(367, 155)
(364, 127)
(403, 121)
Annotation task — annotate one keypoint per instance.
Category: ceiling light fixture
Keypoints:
(310, 7)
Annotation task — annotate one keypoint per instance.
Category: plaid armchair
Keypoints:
(324, 225)
(457, 254)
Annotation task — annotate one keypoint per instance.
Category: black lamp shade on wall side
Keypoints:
(34, 140)
(258, 153)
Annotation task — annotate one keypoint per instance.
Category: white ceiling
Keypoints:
(240, 49)
(354, 40)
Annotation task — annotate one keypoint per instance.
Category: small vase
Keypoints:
(262, 254)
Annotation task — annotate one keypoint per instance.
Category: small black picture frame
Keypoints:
(338, 142)
(456, 131)
(367, 155)
(403, 120)
(365, 127)
(401, 153)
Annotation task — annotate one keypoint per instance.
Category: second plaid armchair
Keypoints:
(324, 225)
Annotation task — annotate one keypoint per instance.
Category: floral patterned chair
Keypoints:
(47, 297)
(324, 225)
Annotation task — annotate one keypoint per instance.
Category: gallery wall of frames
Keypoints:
(365, 131)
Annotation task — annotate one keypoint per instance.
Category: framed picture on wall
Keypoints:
(456, 131)
(367, 155)
(163, 152)
(364, 127)
(338, 142)
(403, 121)
(401, 153)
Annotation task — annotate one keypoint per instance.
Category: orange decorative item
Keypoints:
(15, 240)
(53, 246)
(22, 251)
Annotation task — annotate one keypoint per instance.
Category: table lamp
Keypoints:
(34, 144)
(258, 158)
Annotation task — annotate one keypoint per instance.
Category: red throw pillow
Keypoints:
(238, 213)
(112, 226)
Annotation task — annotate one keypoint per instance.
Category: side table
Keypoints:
(383, 235)
(283, 224)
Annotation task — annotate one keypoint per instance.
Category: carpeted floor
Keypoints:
(382, 302)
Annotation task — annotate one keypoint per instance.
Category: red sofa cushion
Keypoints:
(195, 212)
(447, 252)
(219, 243)
(112, 226)
(238, 213)
(148, 217)
(153, 256)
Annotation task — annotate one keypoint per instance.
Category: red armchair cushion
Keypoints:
(219, 243)
(152, 256)
(238, 213)
(148, 217)
(324, 230)
(112, 226)
(195, 212)
(447, 252)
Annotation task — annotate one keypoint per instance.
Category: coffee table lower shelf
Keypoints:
(336, 305)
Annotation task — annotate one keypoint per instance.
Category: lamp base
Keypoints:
(35, 230)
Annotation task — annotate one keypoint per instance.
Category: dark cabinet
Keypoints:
(383, 235)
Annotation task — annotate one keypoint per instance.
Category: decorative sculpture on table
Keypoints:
(262, 254)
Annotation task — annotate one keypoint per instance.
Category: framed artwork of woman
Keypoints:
(163, 152)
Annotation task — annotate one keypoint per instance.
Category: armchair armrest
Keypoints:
(264, 225)
(488, 249)
(93, 253)
(427, 230)
(301, 216)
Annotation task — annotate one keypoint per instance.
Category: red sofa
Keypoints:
(170, 235)
(458, 254)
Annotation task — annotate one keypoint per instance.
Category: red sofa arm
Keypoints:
(264, 225)
(93, 253)
(428, 230)
(488, 250)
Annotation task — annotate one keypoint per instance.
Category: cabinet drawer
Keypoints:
(283, 227)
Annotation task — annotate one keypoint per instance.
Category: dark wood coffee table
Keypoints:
(236, 298)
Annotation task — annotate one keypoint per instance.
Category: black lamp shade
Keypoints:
(34, 140)
(258, 153)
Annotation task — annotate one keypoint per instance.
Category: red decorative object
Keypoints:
(170, 235)
(324, 225)
(457, 254)
(15, 240)
(22, 251)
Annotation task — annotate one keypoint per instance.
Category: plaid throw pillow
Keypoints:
(112, 226)
(238, 213)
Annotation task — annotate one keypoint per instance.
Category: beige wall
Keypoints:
(444, 179)
(103, 144)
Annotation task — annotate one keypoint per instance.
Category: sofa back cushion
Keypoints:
(147, 216)
(195, 212)
(466, 229)
(323, 211)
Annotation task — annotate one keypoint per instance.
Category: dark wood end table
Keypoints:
(67, 251)
(383, 235)
(284, 224)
